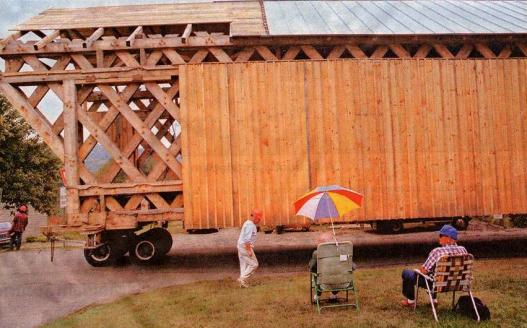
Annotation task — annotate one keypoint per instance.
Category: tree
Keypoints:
(29, 171)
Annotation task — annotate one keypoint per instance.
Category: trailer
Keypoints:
(209, 109)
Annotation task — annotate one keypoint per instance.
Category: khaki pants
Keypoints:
(248, 264)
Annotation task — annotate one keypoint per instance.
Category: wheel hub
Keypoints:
(145, 250)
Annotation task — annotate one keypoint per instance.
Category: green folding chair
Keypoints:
(334, 273)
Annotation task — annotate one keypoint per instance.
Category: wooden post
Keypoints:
(71, 140)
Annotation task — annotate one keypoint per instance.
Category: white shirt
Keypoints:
(248, 233)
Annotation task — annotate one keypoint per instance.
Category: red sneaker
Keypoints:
(407, 303)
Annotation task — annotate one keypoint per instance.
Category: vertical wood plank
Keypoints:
(71, 150)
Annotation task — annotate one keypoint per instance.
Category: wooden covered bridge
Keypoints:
(209, 109)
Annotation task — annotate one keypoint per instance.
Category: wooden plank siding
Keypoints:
(420, 138)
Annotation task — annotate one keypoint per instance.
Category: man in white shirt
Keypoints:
(248, 261)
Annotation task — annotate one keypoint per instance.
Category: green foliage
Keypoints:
(29, 171)
(519, 221)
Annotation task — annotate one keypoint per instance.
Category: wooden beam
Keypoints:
(142, 129)
(356, 51)
(9, 38)
(244, 55)
(523, 48)
(379, 52)
(423, 51)
(311, 52)
(130, 40)
(291, 53)
(105, 44)
(400, 51)
(114, 75)
(164, 99)
(505, 52)
(106, 122)
(92, 38)
(220, 55)
(266, 53)
(336, 52)
(46, 40)
(465, 51)
(442, 50)
(152, 117)
(174, 57)
(130, 188)
(484, 50)
(70, 150)
(186, 33)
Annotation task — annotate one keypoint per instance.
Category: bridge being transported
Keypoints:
(209, 109)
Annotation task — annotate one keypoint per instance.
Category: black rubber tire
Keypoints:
(162, 240)
(460, 223)
(143, 249)
(100, 256)
(396, 226)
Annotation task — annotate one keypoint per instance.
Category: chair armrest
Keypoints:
(427, 277)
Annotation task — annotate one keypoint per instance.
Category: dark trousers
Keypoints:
(409, 278)
(16, 240)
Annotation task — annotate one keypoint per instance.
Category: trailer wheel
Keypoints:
(460, 223)
(396, 226)
(162, 240)
(100, 256)
(143, 250)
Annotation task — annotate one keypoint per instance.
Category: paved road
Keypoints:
(35, 290)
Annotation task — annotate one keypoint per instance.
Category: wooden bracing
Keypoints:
(120, 91)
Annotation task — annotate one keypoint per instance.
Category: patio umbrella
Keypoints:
(328, 202)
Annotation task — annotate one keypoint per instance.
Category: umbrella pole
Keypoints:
(332, 226)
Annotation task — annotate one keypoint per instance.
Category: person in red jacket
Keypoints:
(19, 225)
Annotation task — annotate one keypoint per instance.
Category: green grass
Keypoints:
(282, 301)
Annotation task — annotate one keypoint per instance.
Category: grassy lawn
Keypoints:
(282, 301)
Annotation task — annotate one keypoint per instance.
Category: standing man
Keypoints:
(18, 227)
(447, 240)
(248, 261)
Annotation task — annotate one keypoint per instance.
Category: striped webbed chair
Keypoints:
(452, 274)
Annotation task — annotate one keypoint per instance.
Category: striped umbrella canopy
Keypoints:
(328, 202)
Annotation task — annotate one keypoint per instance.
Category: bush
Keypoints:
(519, 221)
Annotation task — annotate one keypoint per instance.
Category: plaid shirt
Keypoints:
(439, 252)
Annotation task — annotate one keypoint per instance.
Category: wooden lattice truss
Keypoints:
(119, 88)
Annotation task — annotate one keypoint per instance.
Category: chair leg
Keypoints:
(453, 299)
(356, 297)
(474, 304)
(310, 289)
(431, 300)
(416, 292)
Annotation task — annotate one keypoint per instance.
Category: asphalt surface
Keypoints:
(35, 291)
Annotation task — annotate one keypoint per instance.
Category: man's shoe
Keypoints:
(435, 302)
(243, 283)
(333, 298)
(408, 303)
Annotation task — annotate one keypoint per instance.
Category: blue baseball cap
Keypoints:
(449, 231)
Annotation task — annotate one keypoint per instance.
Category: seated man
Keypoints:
(325, 237)
(447, 240)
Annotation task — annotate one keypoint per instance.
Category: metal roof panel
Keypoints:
(396, 17)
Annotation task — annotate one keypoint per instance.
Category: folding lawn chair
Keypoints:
(334, 273)
(452, 273)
